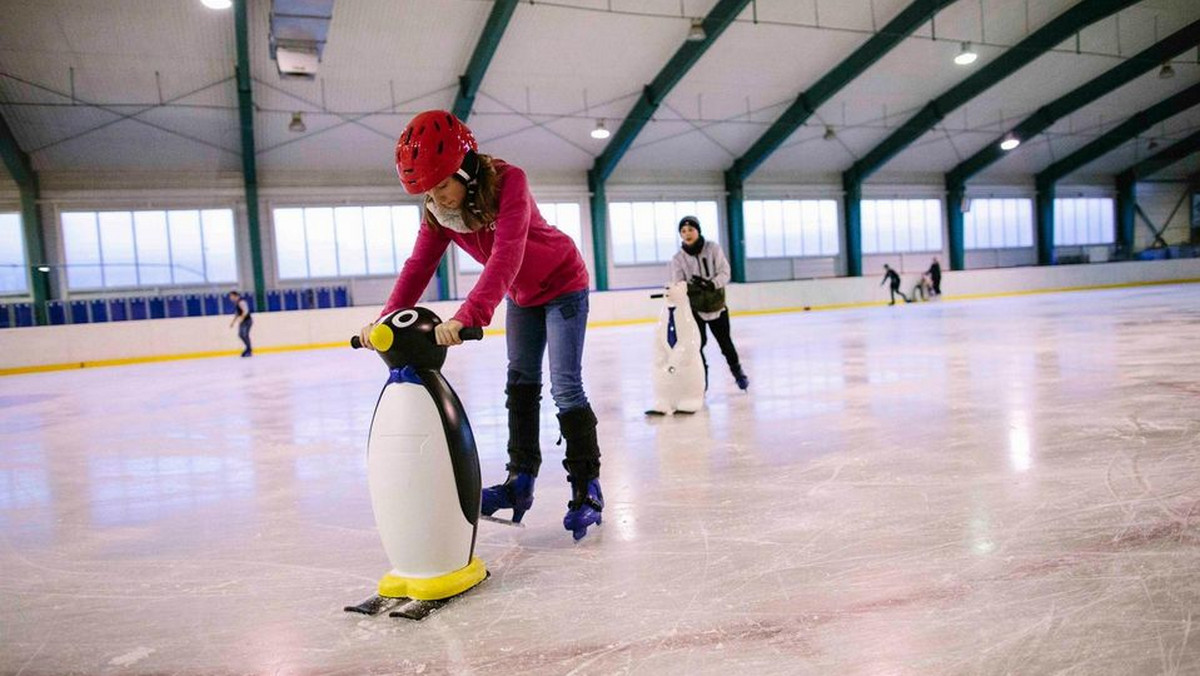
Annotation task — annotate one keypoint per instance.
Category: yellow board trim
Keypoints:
(434, 588)
(42, 368)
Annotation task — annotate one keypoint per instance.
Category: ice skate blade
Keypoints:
(653, 412)
(503, 522)
(418, 610)
(375, 605)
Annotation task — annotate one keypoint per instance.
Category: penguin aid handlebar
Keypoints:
(466, 333)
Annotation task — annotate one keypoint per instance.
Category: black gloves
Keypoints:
(701, 283)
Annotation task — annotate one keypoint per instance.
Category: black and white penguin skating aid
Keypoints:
(423, 472)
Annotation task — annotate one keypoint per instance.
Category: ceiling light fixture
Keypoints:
(217, 4)
(829, 134)
(696, 32)
(1166, 72)
(966, 56)
(600, 132)
(297, 124)
(1009, 141)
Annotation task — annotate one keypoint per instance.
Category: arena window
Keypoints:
(648, 232)
(137, 249)
(347, 241)
(791, 228)
(998, 224)
(901, 225)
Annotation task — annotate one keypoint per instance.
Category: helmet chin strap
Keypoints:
(468, 175)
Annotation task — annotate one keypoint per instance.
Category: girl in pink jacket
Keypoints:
(483, 205)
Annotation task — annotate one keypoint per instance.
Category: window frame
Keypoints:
(133, 209)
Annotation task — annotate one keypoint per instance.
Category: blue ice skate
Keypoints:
(516, 493)
(587, 501)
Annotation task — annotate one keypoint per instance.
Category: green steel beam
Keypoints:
(485, 49)
(21, 168)
(598, 202)
(955, 194)
(1127, 180)
(1045, 223)
(832, 82)
(1164, 158)
(1082, 95)
(852, 203)
(1121, 133)
(734, 198)
(721, 16)
(806, 103)
(1126, 214)
(468, 86)
(1040, 41)
(249, 166)
(715, 23)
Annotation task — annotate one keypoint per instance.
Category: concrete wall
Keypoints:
(167, 338)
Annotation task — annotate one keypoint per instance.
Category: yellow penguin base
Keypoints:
(434, 588)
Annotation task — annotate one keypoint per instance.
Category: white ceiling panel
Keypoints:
(559, 68)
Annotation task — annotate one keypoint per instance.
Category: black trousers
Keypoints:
(244, 333)
(720, 329)
(896, 290)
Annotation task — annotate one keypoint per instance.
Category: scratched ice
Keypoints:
(994, 486)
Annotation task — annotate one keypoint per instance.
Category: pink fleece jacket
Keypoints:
(521, 254)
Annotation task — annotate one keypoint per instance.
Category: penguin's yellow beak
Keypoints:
(381, 337)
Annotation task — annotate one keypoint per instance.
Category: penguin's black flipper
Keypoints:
(375, 605)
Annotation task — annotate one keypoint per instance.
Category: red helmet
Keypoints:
(431, 148)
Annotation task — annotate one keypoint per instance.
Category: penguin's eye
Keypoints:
(404, 318)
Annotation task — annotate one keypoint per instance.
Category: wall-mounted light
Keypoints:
(1166, 72)
(966, 56)
(217, 4)
(43, 268)
(696, 32)
(297, 124)
(600, 132)
(1009, 142)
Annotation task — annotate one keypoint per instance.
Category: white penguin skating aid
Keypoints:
(678, 370)
(423, 472)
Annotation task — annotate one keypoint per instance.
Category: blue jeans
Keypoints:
(560, 324)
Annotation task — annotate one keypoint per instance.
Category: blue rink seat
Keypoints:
(98, 309)
(118, 309)
(212, 304)
(139, 308)
(56, 312)
(22, 314)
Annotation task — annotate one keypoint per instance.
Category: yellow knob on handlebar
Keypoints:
(381, 337)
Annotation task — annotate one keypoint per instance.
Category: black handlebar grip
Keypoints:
(471, 333)
(356, 343)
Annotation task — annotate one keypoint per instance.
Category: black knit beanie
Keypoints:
(692, 221)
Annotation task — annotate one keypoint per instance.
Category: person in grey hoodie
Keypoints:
(703, 265)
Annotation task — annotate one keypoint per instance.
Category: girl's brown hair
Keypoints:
(485, 199)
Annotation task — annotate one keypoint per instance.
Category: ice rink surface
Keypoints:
(1002, 486)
